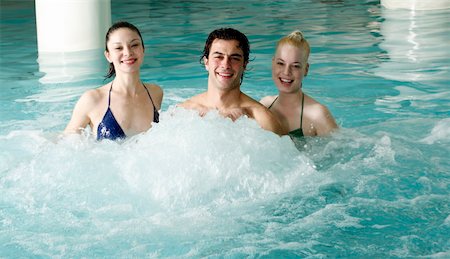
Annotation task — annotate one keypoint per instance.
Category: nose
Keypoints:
(127, 51)
(226, 62)
(287, 70)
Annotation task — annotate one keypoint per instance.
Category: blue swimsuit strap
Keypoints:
(155, 111)
(109, 95)
(153, 104)
(149, 95)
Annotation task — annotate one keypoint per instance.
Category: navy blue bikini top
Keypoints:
(109, 128)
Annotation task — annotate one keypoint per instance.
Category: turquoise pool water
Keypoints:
(207, 187)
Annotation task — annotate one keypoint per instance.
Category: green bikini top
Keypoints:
(297, 133)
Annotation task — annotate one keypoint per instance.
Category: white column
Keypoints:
(416, 4)
(71, 38)
(71, 25)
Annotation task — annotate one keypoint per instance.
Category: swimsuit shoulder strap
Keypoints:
(273, 102)
(149, 95)
(109, 95)
(301, 113)
(155, 111)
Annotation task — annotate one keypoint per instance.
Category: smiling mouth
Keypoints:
(129, 61)
(225, 75)
(286, 81)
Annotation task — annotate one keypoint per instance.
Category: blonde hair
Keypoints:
(296, 39)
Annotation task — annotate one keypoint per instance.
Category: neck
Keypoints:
(220, 99)
(290, 99)
(127, 83)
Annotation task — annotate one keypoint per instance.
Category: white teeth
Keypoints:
(222, 74)
(286, 80)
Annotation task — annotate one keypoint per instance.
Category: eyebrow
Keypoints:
(132, 41)
(232, 55)
(280, 59)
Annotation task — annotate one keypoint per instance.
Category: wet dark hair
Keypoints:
(227, 34)
(114, 27)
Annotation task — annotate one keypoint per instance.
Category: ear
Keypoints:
(106, 53)
(245, 65)
(306, 69)
(205, 61)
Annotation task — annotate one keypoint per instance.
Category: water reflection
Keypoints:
(416, 44)
(64, 67)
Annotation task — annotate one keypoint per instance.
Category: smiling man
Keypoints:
(225, 56)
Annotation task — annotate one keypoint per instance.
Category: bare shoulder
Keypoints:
(268, 100)
(93, 96)
(321, 118)
(249, 103)
(195, 102)
(156, 92)
(86, 105)
(315, 110)
(262, 115)
(154, 89)
(90, 100)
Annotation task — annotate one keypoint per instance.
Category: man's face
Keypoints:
(225, 64)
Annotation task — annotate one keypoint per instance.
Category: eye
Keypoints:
(280, 63)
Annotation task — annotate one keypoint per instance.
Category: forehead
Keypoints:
(123, 34)
(288, 51)
(226, 47)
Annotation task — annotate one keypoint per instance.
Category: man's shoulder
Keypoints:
(194, 102)
(255, 108)
(251, 103)
(268, 100)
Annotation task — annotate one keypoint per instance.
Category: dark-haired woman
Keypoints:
(126, 106)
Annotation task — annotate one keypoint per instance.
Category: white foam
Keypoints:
(440, 133)
(184, 161)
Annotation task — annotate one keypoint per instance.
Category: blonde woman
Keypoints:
(298, 113)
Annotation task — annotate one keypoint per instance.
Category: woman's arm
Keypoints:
(80, 115)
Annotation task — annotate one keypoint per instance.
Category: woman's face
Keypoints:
(125, 51)
(289, 67)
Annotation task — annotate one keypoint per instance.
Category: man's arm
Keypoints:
(267, 120)
(267, 101)
(195, 103)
